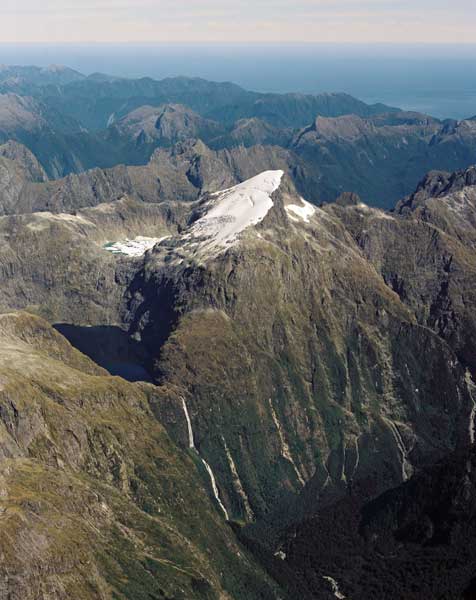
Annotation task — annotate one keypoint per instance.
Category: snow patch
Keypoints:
(304, 212)
(379, 214)
(136, 247)
(231, 211)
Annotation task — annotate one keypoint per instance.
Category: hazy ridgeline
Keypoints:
(433, 79)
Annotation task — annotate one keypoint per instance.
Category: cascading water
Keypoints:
(191, 444)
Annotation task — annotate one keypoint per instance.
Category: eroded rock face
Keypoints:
(182, 173)
(363, 154)
(55, 264)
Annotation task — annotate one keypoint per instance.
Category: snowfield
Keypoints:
(231, 211)
(304, 212)
(226, 214)
(136, 247)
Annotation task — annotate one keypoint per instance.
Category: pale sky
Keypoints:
(406, 21)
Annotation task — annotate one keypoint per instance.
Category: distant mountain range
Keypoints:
(73, 123)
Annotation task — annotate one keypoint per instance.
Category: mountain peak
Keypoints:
(231, 211)
(438, 184)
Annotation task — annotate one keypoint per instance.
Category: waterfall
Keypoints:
(191, 444)
(237, 482)
(407, 469)
(215, 487)
(285, 450)
(471, 390)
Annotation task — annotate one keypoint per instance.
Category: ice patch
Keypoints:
(231, 211)
(136, 247)
(302, 212)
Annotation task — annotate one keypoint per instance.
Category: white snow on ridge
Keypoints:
(233, 210)
(304, 212)
(136, 247)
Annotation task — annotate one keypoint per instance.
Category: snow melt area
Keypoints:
(231, 211)
(136, 247)
(304, 212)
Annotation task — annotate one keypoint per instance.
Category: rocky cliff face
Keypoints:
(181, 173)
(19, 170)
(165, 125)
(299, 356)
(57, 264)
(363, 154)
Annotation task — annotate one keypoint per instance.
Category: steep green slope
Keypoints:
(96, 501)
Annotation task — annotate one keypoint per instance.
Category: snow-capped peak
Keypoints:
(231, 211)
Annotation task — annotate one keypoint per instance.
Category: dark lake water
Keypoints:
(111, 348)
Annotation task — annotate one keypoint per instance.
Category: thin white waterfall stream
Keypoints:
(471, 389)
(215, 487)
(191, 443)
(285, 450)
(407, 468)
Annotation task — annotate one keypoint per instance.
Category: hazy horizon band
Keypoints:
(430, 78)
